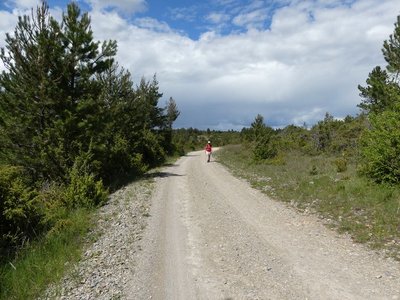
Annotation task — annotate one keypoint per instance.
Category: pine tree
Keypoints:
(391, 52)
(258, 127)
(383, 90)
(117, 149)
(264, 147)
(151, 121)
(48, 104)
(172, 112)
(83, 62)
(63, 96)
(29, 102)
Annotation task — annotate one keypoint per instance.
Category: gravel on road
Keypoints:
(197, 232)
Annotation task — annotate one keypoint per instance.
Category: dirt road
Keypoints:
(211, 236)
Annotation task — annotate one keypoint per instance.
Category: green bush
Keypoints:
(380, 147)
(19, 213)
(264, 148)
(83, 189)
(120, 160)
(152, 150)
(51, 198)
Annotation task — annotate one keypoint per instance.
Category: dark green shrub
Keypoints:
(380, 147)
(52, 200)
(152, 150)
(264, 148)
(83, 189)
(19, 213)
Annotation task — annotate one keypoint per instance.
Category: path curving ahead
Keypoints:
(211, 236)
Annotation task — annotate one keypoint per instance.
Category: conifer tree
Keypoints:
(83, 61)
(172, 112)
(29, 103)
(391, 52)
(380, 144)
(383, 91)
(48, 101)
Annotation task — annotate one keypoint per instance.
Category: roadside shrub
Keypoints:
(153, 152)
(83, 190)
(19, 213)
(52, 200)
(380, 147)
(138, 166)
(179, 149)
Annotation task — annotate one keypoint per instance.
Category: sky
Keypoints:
(225, 61)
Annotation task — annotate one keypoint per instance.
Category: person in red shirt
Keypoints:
(208, 150)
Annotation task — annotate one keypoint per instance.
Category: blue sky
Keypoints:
(201, 16)
(225, 61)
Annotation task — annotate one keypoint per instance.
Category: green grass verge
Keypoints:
(326, 185)
(45, 261)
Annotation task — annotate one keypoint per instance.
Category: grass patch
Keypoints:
(328, 186)
(45, 261)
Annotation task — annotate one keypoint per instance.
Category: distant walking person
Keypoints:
(208, 149)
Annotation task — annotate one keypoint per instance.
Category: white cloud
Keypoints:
(7, 24)
(7, 21)
(188, 14)
(23, 4)
(152, 24)
(123, 6)
(254, 5)
(217, 18)
(253, 19)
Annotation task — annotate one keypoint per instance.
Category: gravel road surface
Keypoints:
(193, 231)
(211, 236)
